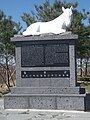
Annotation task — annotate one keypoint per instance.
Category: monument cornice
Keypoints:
(43, 37)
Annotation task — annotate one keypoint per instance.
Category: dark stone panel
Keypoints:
(45, 55)
(46, 74)
(57, 55)
(32, 55)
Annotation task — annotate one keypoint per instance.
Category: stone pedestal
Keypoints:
(46, 74)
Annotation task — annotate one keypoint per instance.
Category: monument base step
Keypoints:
(47, 90)
(45, 101)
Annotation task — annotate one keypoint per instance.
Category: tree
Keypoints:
(7, 49)
(28, 19)
(83, 31)
(46, 11)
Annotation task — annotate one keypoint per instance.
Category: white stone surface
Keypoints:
(14, 114)
(56, 26)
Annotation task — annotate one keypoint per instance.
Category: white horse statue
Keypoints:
(56, 26)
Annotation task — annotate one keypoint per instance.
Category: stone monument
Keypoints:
(46, 69)
(46, 74)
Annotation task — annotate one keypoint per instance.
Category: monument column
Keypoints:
(72, 66)
(18, 65)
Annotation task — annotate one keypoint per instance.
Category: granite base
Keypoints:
(45, 101)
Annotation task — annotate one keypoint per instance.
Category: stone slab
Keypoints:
(47, 90)
(39, 102)
(78, 103)
(45, 101)
(48, 82)
(16, 102)
(45, 37)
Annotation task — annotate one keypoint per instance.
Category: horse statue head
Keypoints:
(67, 16)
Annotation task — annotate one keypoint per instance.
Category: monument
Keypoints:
(46, 73)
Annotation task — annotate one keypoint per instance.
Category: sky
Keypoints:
(16, 8)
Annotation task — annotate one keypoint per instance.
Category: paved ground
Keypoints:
(41, 114)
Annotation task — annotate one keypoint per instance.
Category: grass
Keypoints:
(84, 82)
(86, 85)
(3, 89)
